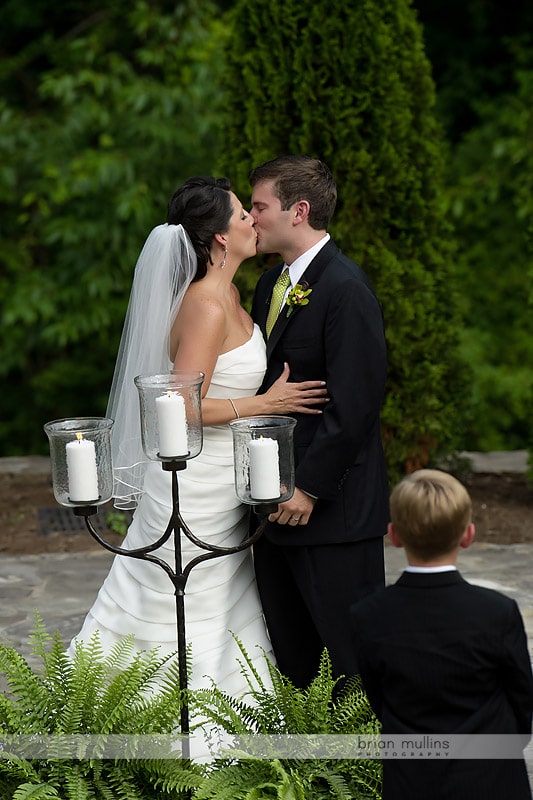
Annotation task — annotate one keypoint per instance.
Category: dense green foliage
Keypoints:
(467, 42)
(104, 109)
(355, 89)
(492, 204)
(283, 710)
(481, 55)
(491, 199)
(112, 118)
(81, 709)
(89, 694)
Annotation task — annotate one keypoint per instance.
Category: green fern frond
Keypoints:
(157, 706)
(283, 708)
(243, 781)
(170, 776)
(226, 711)
(290, 784)
(345, 780)
(17, 770)
(88, 693)
(127, 687)
(76, 787)
(124, 782)
(136, 704)
(33, 791)
(318, 698)
(118, 658)
(254, 780)
(9, 716)
(101, 786)
(40, 638)
(169, 680)
(86, 675)
(33, 708)
(139, 694)
(248, 668)
(352, 711)
(335, 785)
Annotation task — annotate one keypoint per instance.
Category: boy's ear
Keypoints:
(393, 536)
(468, 536)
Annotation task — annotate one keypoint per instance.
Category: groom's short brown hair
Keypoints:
(301, 178)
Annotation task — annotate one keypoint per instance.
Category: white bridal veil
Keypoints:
(164, 270)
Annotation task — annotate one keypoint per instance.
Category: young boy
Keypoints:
(438, 655)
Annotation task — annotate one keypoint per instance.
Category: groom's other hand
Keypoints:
(295, 511)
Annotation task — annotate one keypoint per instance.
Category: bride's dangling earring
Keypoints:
(223, 262)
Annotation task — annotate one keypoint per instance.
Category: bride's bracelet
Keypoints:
(234, 407)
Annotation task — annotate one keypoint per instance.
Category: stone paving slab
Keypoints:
(62, 586)
(498, 461)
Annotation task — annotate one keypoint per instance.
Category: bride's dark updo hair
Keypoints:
(203, 206)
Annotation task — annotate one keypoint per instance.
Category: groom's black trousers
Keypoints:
(307, 593)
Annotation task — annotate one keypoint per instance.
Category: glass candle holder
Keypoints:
(171, 415)
(264, 459)
(80, 453)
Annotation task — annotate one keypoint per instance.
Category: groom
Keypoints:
(323, 549)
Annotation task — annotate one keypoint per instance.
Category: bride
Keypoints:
(185, 314)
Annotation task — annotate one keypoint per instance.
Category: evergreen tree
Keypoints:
(351, 85)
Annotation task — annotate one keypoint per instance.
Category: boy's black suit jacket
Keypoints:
(439, 655)
(337, 337)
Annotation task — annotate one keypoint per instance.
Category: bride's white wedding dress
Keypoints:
(221, 596)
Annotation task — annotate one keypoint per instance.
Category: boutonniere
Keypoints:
(298, 296)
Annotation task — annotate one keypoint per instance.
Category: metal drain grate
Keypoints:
(64, 520)
(53, 520)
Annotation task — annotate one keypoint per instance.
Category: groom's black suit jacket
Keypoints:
(339, 338)
(439, 655)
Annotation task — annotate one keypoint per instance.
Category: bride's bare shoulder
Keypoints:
(201, 306)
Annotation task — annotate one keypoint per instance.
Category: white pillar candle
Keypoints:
(81, 469)
(172, 422)
(264, 469)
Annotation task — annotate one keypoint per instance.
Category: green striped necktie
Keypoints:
(278, 293)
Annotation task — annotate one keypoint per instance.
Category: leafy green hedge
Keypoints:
(117, 112)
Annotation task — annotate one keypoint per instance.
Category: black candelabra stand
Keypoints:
(179, 573)
(82, 473)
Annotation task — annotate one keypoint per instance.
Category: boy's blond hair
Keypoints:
(430, 511)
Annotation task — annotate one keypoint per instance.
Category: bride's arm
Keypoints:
(283, 397)
(201, 329)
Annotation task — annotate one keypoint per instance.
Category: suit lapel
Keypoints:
(319, 262)
(310, 276)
